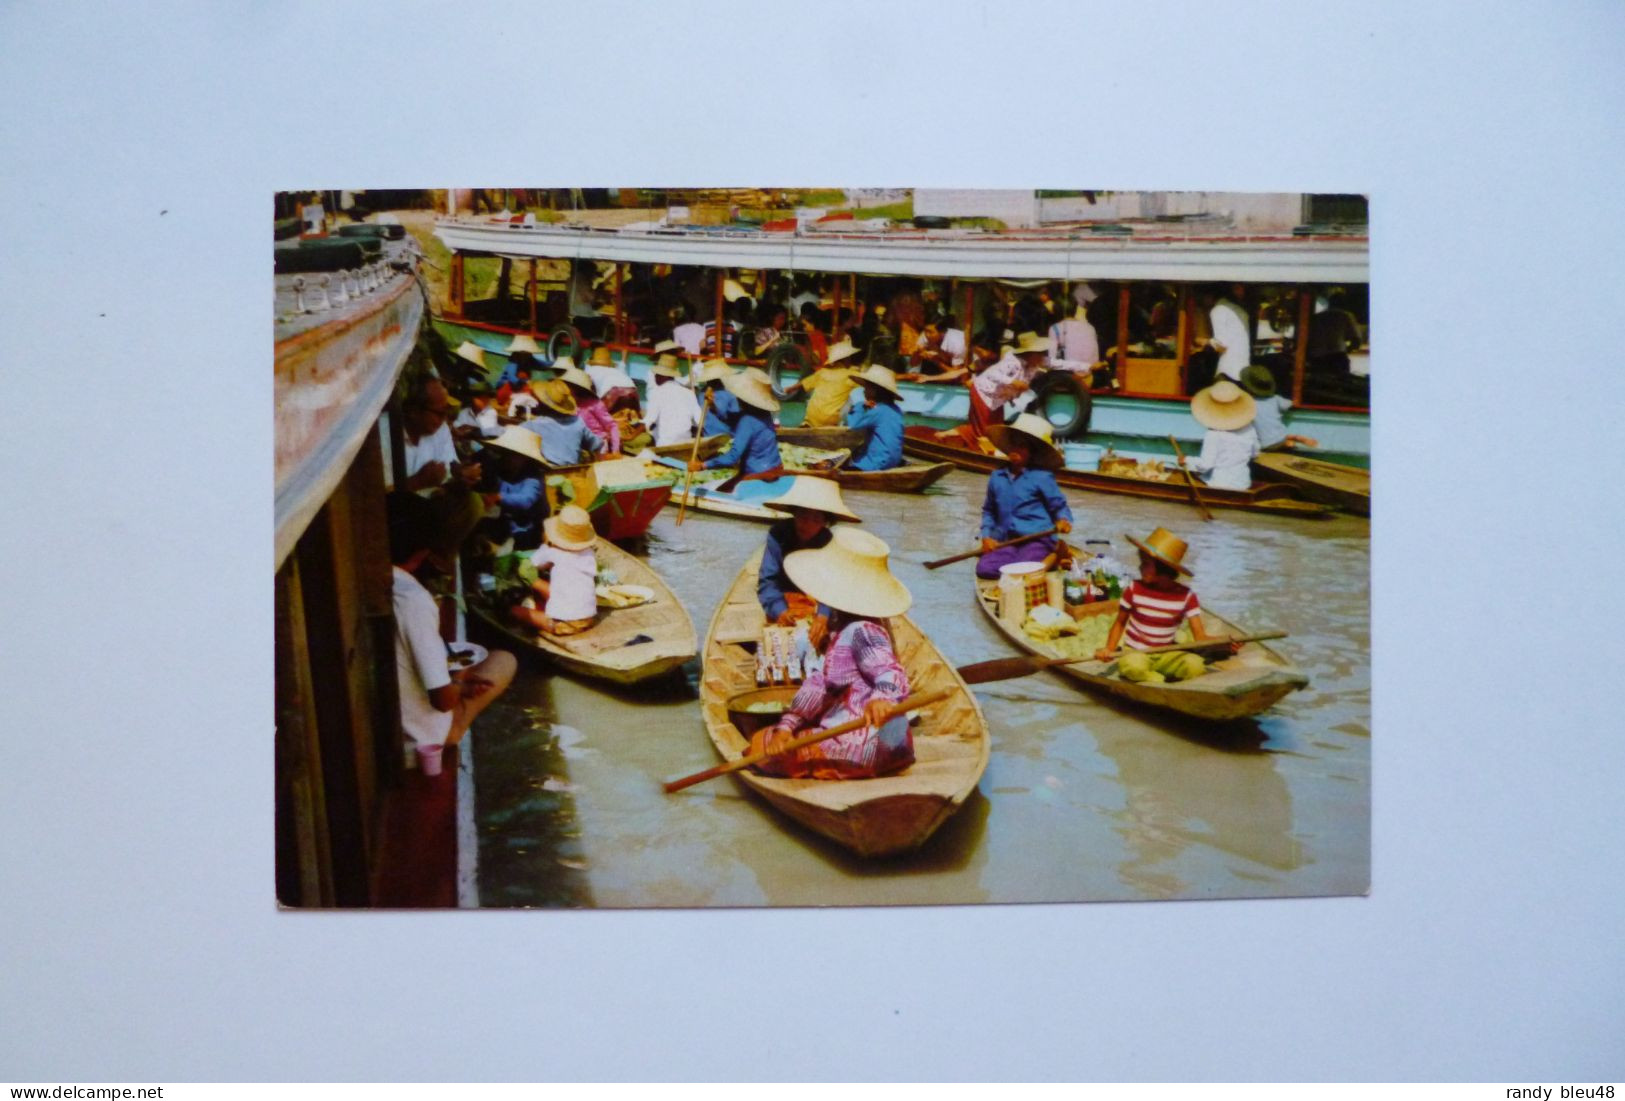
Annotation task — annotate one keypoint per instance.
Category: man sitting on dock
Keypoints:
(433, 470)
(437, 705)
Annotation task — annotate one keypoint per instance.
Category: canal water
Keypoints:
(1082, 799)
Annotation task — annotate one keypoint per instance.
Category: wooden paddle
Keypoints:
(978, 553)
(921, 699)
(1007, 668)
(688, 475)
(1196, 494)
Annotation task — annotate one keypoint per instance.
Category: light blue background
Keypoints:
(139, 149)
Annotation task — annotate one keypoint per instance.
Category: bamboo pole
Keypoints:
(1300, 350)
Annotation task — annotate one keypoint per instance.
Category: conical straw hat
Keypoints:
(523, 343)
(571, 529)
(715, 370)
(473, 353)
(850, 573)
(1031, 342)
(667, 346)
(1036, 433)
(807, 491)
(840, 351)
(665, 367)
(555, 395)
(521, 441)
(1164, 546)
(1224, 406)
(752, 391)
(883, 377)
(563, 363)
(759, 375)
(600, 358)
(575, 376)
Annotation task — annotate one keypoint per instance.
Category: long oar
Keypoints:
(688, 475)
(1196, 494)
(1007, 668)
(994, 547)
(921, 699)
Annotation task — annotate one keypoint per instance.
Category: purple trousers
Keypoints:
(1037, 550)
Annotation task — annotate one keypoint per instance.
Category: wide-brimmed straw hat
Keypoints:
(575, 376)
(1165, 547)
(523, 343)
(883, 377)
(667, 346)
(600, 358)
(1031, 343)
(842, 350)
(715, 370)
(821, 494)
(1224, 406)
(473, 353)
(1257, 380)
(752, 391)
(555, 395)
(850, 573)
(665, 367)
(758, 374)
(1037, 433)
(519, 440)
(571, 529)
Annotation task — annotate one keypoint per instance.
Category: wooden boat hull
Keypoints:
(1279, 499)
(607, 650)
(1237, 687)
(1344, 487)
(829, 439)
(913, 478)
(875, 817)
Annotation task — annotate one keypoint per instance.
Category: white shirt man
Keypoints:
(605, 379)
(420, 660)
(690, 335)
(953, 346)
(436, 447)
(1073, 345)
(486, 420)
(1231, 333)
(674, 414)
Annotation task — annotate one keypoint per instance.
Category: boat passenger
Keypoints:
(813, 504)
(817, 343)
(1333, 333)
(689, 334)
(1074, 345)
(829, 388)
(437, 705)
(880, 415)
(862, 676)
(613, 385)
(1268, 416)
(1232, 336)
(433, 470)
(1022, 497)
(941, 354)
(572, 568)
(755, 447)
(724, 410)
(674, 413)
(999, 385)
(478, 419)
(1150, 611)
(589, 406)
(522, 363)
(564, 437)
(1231, 443)
(518, 503)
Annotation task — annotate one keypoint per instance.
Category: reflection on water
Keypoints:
(1083, 798)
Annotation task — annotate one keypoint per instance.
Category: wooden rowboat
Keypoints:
(1344, 487)
(1276, 498)
(913, 478)
(1237, 687)
(835, 438)
(626, 645)
(621, 496)
(875, 817)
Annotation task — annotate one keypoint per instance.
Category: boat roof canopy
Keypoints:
(1038, 256)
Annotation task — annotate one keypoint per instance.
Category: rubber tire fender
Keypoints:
(784, 359)
(1065, 402)
(564, 340)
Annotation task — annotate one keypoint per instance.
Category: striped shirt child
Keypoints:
(1155, 614)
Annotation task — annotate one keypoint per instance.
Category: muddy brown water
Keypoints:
(1082, 799)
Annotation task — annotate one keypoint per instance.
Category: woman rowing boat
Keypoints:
(862, 676)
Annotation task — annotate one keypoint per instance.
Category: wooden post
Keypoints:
(1122, 334)
(1300, 348)
(717, 350)
(1183, 341)
(620, 319)
(532, 294)
(456, 289)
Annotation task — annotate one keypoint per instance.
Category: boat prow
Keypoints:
(1344, 487)
(872, 817)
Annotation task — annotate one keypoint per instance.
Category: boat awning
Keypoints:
(960, 254)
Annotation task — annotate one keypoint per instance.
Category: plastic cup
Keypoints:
(429, 758)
